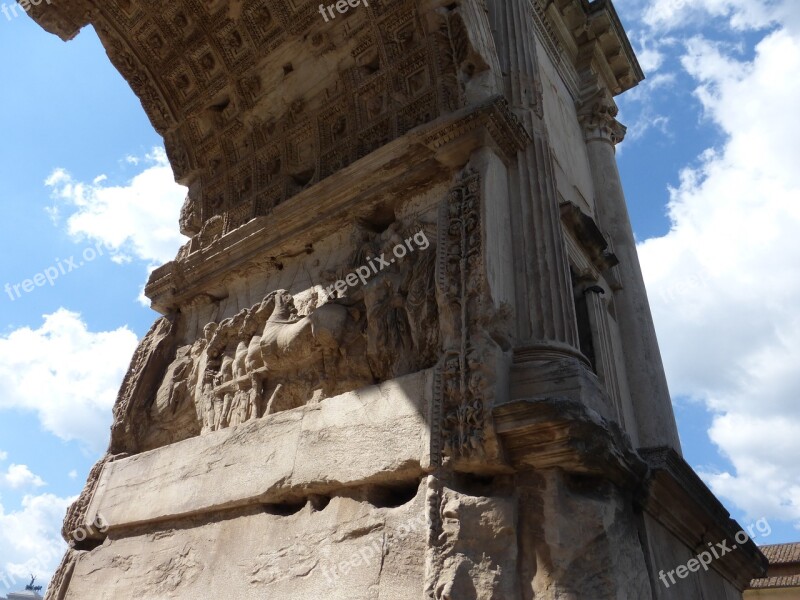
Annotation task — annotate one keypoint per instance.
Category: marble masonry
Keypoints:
(406, 352)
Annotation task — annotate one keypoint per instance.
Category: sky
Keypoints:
(711, 168)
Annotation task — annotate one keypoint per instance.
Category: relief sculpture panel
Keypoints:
(427, 306)
(300, 347)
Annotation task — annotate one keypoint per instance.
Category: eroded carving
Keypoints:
(283, 353)
(471, 326)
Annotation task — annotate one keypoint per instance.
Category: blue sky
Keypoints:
(711, 173)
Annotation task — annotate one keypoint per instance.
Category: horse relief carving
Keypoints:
(275, 356)
(269, 358)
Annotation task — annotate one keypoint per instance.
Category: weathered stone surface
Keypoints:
(479, 553)
(410, 272)
(284, 456)
(146, 370)
(344, 550)
(580, 540)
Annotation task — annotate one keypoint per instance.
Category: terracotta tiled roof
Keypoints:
(782, 554)
(775, 582)
(785, 555)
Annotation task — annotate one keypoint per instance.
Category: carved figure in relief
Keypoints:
(400, 303)
(307, 347)
(288, 338)
(223, 416)
(207, 403)
(279, 354)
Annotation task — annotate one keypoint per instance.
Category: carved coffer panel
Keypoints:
(260, 100)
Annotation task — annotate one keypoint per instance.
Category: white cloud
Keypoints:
(73, 474)
(139, 219)
(641, 102)
(725, 282)
(650, 59)
(651, 49)
(3, 455)
(740, 14)
(20, 476)
(30, 540)
(67, 374)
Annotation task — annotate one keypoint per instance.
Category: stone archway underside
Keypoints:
(258, 101)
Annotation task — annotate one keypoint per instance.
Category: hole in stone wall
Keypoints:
(380, 219)
(319, 503)
(474, 485)
(88, 544)
(287, 68)
(392, 496)
(221, 105)
(284, 509)
(373, 63)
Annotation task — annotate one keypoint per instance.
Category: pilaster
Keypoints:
(545, 312)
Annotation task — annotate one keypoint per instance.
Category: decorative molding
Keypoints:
(548, 35)
(597, 116)
(466, 375)
(506, 131)
(386, 175)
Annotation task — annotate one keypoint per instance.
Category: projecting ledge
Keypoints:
(426, 155)
(374, 435)
(558, 433)
(678, 499)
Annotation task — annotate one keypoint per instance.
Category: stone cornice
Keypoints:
(547, 433)
(412, 161)
(578, 34)
(678, 499)
(614, 45)
(587, 233)
(556, 42)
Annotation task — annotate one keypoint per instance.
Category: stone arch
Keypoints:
(260, 100)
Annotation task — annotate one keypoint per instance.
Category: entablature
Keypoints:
(591, 36)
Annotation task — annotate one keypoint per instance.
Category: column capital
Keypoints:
(598, 118)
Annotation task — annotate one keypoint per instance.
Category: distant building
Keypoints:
(783, 575)
(27, 595)
(31, 592)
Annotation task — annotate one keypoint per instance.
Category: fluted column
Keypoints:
(546, 321)
(650, 396)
